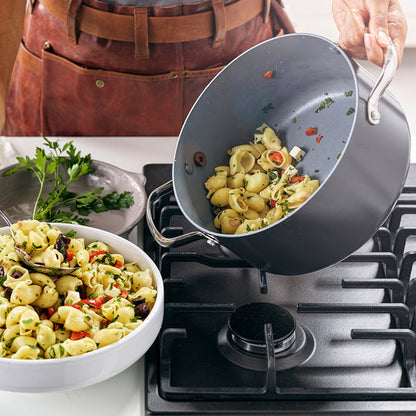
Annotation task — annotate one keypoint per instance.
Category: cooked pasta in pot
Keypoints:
(42, 317)
(260, 186)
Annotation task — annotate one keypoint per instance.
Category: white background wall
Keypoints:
(315, 16)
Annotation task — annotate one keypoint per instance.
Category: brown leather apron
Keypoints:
(92, 68)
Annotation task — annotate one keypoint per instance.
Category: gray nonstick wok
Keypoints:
(361, 161)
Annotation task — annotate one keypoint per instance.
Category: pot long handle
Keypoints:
(387, 74)
(174, 241)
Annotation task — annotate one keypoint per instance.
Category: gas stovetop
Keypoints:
(239, 342)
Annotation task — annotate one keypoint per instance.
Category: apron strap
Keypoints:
(169, 29)
(266, 10)
(283, 19)
(141, 33)
(220, 23)
(32, 4)
(74, 8)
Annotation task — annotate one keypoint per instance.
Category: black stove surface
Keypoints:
(347, 345)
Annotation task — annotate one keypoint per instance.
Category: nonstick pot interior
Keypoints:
(313, 84)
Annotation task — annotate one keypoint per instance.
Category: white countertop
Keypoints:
(122, 394)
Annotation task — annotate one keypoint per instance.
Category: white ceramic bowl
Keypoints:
(79, 371)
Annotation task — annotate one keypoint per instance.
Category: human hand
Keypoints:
(365, 27)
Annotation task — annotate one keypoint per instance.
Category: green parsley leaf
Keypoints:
(61, 165)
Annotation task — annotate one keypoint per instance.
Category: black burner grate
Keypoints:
(356, 320)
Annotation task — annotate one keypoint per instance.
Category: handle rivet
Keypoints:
(375, 115)
(188, 168)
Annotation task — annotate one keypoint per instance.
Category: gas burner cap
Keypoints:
(242, 340)
(246, 326)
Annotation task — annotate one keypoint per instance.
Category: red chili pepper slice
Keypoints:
(272, 203)
(97, 253)
(311, 131)
(319, 138)
(276, 157)
(69, 255)
(124, 294)
(76, 306)
(95, 303)
(79, 335)
(118, 264)
(297, 179)
(50, 311)
(43, 316)
(268, 74)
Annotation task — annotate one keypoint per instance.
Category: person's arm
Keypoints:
(11, 17)
(366, 25)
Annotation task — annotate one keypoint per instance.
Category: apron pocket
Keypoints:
(23, 99)
(55, 97)
(78, 101)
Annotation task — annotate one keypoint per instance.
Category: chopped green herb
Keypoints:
(272, 175)
(324, 104)
(52, 352)
(294, 120)
(9, 344)
(267, 108)
(93, 295)
(338, 155)
(61, 350)
(348, 93)
(328, 101)
(27, 321)
(350, 111)
(321, 107)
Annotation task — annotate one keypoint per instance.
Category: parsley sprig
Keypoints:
(62, 165)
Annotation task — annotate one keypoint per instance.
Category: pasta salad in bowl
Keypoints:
(103, 316)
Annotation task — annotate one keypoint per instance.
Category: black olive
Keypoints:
(200, 159)
(138, 301)
(62, 244)
(7, 292)
(141, 310)
(16, 274)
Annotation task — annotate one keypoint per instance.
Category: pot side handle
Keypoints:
(387, 74)
(174, 241)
